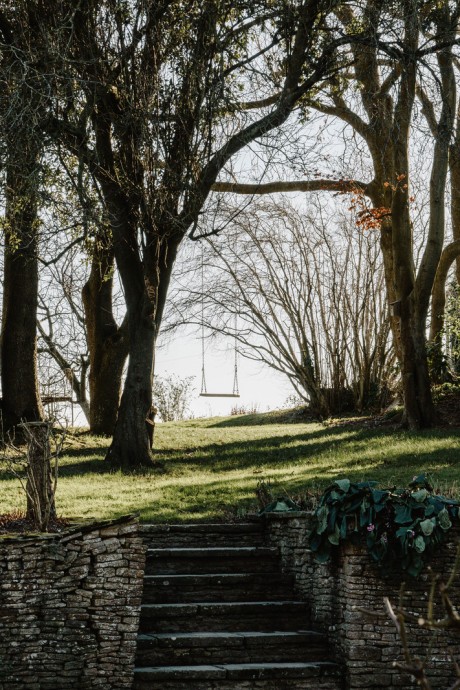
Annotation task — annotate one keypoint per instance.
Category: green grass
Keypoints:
(212, 466)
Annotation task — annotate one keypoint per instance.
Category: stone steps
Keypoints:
(204, 535)
(261, 616)
(225, 587)
(287, 676)
(241, 647)
(243, 559)
(218, 613)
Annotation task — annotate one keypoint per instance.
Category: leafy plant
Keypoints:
(400, 526)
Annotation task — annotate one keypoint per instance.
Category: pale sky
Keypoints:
(259, 386)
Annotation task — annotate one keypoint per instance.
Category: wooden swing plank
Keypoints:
(219, 395)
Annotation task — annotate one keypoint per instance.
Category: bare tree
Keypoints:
(389, 72)
(301, 292)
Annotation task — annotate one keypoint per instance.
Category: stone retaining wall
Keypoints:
(339, 591)
(69, 607)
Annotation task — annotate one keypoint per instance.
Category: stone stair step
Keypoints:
(270, 676)
(204, 534)
(231, 616)
(211, 559)
(217, 587)
(230, 647)
(218, 614)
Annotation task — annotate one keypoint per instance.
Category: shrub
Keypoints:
(172, 396)
(400, 526)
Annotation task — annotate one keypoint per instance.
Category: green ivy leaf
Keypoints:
(419, 544)
(315, 542)
(379, 496)
(415, 565)
(419, 495)
(321, 516)
(322, 556)
(343, 528)
(403, 513)
(444, 519)
(343, 484)
(427, 526)
(421, 480)
(334, 538)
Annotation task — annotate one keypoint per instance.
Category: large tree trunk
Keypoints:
(145, 282)
(418, 402)
(131, 445)
(132, 440)
(108, 344)
(20, 394)
(438, 365)
(454, 169)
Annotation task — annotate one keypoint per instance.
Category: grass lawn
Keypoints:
(213, 466)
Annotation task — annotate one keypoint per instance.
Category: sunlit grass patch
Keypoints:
(212, 466)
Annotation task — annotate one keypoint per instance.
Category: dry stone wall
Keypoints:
(341, 592)
(69, 608)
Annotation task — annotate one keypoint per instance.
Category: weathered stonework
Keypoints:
(339, 594)
(69, 607)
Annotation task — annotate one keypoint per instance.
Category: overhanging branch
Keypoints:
(326, 185)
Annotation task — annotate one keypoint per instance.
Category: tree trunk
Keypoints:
(108, 344)
(438, 366)
(145, 282)
(40, 489)
(20, 393)
(418, 403)
(131, 444)
(454, 169)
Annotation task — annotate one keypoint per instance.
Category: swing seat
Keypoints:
(219, 395)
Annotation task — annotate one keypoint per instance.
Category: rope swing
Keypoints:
(204, 389)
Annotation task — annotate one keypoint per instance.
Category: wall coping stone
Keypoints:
(287, 515)
(75, 529)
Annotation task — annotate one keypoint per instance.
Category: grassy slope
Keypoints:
(213, 465)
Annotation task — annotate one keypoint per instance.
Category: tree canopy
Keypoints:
(146, 108)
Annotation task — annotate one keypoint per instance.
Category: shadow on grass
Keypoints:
(275, 417)
(332, 448)
(234, 455)
(224, 498)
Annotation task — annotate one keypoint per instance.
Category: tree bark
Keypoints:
(39, 487)
(108, 343)
(132, 439)
(131, 443)
(448, 256)
(418, 403)
(454, 169)
(21, 398)
(438, 303)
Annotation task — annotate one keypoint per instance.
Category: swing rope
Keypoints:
(236, 390)
(204, 388)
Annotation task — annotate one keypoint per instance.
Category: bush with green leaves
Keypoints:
(401, 527)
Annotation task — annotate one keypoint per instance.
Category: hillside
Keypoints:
(210, 468)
